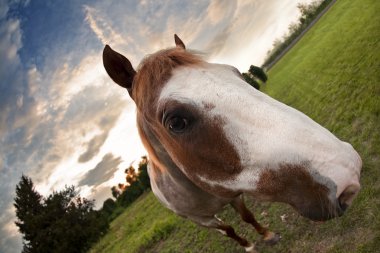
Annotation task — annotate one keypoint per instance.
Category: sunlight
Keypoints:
(124, 141)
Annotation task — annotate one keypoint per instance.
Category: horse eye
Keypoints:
(177, 124)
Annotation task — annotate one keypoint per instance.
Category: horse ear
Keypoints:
(118, 68)
(179, 42)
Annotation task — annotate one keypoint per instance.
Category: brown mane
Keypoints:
(155, 70)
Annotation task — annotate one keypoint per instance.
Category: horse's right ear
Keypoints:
(178, 42)
(118, 68)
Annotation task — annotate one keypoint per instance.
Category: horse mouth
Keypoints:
(325, 213)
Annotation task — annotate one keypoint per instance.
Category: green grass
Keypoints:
(332, 75)
(142, 225)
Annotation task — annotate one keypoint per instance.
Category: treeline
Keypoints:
(65, 222)
(308, 13)
(136, 183)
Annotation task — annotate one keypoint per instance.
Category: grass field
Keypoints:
(332, 75)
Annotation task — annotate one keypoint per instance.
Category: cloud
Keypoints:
(102, 172)
(3, 9)
(219, 40)
(81, 115)
(10, 240)
(10, 87)
(100, 194)
(103, 26)
(93, 148)
(218, 10)
(105, 33)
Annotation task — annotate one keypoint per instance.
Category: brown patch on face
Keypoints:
(203, 152)
(294, 185)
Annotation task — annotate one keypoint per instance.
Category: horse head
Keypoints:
(229, 138)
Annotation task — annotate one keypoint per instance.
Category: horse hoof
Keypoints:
(250, 249)
(271, 238)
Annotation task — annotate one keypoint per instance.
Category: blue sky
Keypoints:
(62, 120)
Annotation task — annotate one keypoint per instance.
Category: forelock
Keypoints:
(155, 70)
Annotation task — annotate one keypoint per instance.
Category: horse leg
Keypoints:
(247, 216)
(227, 230)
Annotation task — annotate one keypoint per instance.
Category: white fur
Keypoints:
(264, 131)
(250, 248)
(222, 231)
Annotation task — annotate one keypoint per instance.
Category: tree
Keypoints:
(115, 192)
(137, 181)
(131, 175)
(308, 11)
(251, 81)
(258, 73)
(143, 177)
(28, 204)
(294, 27)
(108, 206)
(63, 222)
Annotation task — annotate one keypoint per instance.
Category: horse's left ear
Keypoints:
(179, 42)
(118, 68)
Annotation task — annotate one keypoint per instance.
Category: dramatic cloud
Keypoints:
(102, 172)
(93, 148)
(11, 88)
(105, 33)
(10, 239)
(218, 10)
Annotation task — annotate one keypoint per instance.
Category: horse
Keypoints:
(211, 138)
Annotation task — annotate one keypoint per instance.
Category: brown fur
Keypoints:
(294, 185)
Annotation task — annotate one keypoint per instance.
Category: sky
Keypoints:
(62, 120)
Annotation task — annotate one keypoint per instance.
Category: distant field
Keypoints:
(332, 75)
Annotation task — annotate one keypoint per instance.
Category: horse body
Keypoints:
(211, 138)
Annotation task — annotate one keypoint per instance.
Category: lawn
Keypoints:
(332, 75)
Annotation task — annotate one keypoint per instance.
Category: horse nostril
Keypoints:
(347, 196)
(343, 206)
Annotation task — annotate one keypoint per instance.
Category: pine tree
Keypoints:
(28, 204)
